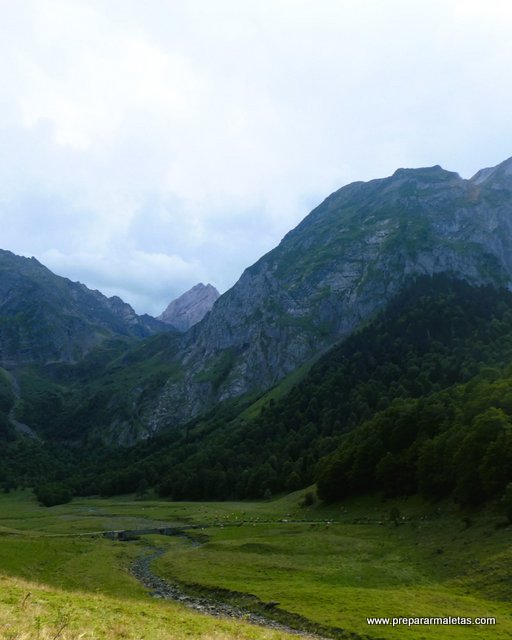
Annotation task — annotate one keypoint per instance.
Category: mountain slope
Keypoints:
(44, 317)
(334, 271)
(435, 334)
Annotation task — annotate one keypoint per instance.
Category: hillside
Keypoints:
(439, 332)
(338, 268)
(46, 318)
(335, 271)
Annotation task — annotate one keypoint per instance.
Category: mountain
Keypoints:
(190, 307)
(329, 276)
(333, 272)
(419, 399)
(368, 351)
(46, 318)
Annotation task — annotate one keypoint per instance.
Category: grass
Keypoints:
(334, 565)
(31, 611)
(71, 563)
(56, 584)
(340, 573)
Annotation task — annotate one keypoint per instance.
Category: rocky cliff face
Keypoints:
(346, 259)
(191, 307)
(45, 318)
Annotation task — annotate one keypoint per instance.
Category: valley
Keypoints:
(322, 569)
(328, 442)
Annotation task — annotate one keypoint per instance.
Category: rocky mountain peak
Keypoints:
(191, 307)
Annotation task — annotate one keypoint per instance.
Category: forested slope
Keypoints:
(387, 397)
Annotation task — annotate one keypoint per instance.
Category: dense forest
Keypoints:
(452, 443)
(419, 400)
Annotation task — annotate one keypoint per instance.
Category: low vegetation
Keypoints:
(33, 611)
(330, 566)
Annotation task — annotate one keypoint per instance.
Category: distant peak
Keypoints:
(191, 307)
(200, 287)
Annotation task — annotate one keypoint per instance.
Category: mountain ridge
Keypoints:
(336, 270)
(339, 266)
(45, 317)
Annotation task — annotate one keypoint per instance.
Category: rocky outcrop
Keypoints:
(350, 256)
(47, 318)
(191, 307)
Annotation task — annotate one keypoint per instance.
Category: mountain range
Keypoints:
(92, 373)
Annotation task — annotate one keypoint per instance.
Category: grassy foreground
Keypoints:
(33, 611)
(335, 566)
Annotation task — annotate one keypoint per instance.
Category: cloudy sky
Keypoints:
(147, 146)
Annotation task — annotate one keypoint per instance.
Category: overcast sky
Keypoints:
(147, 146)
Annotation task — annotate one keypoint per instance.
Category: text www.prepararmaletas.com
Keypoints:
(446, 620)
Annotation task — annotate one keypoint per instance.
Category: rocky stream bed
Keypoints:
(165, 590)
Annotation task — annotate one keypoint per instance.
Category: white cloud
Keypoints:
(145, 146)
(88, 77)
(149, 281)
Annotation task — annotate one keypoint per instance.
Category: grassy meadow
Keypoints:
(335, 566)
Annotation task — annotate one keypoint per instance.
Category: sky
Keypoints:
(148, 146)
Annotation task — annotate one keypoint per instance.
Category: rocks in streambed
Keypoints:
(164, 590)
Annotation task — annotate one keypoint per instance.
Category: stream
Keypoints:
(160, 588)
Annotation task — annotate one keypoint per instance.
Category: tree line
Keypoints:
(387, 409)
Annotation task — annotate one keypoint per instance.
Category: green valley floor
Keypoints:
(320, 569)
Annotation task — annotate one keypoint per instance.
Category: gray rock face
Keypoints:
(335, 270)
(191, 307)
(46, 318)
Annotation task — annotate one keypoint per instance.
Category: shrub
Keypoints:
(52, 493)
